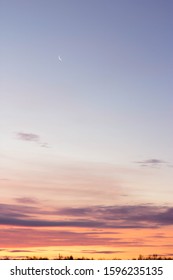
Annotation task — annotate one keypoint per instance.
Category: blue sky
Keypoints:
(115, 78)
(100, 120)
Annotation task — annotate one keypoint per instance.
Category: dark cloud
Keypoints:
(17, 211)
(48, 223)
(97, 217)
(153, 162)
(126, 216)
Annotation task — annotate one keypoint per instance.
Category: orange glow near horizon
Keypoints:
(120, 244)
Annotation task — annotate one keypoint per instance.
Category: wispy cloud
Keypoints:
(28, 137)
(153, 162)
(35, 237)
(31, 137)
(4, 179)
(26, 200)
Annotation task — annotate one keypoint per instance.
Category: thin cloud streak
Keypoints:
(102, 252)
(21, 251)
(153, 162)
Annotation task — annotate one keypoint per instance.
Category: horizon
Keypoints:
(86, 141)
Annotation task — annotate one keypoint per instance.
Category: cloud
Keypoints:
(26, 200)
(19, 210)
(47, 223)
(95, 217)
(27, 237)
(32, 225)
(85, 211)
(20, 251)
(126, 216)
(31, 137)
(36, 237)
(102, 252)
(28, 137)
(153, 162)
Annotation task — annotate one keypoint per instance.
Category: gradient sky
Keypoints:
(86, 152)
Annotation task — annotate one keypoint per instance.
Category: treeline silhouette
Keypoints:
(60, 257)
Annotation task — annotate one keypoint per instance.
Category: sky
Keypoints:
(86, 109)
